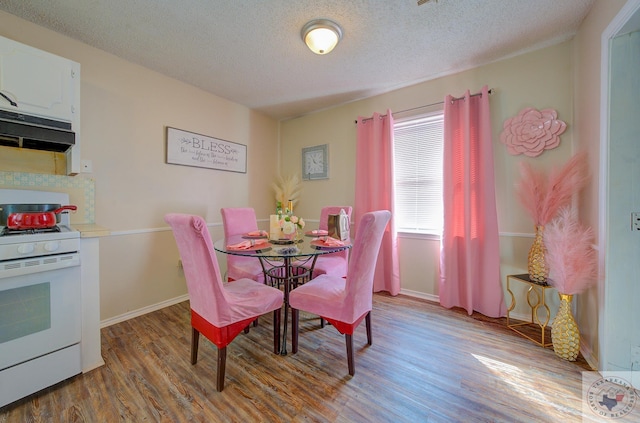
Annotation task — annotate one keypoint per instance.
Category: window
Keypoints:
(418, 145)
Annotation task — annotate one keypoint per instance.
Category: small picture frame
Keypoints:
(315, 162)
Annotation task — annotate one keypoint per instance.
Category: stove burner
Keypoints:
(8, 232)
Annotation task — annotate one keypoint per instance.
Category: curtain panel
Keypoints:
(470, 253)
(375, 191)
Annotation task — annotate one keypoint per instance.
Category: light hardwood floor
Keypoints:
(426, 364)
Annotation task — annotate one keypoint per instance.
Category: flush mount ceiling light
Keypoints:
(321, 35)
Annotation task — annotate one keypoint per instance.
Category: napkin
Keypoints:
(319, 232)
(330, 242)
(257, 233)
(245, 245)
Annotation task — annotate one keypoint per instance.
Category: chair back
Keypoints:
(238, 220)
(201, 270)
(326, 211)
(362, 265)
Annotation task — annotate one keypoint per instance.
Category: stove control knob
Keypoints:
(26, 248)
(52, 246)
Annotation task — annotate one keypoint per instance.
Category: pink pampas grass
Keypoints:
(570, 255)
(543, 198)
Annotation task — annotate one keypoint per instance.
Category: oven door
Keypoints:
(40, 313)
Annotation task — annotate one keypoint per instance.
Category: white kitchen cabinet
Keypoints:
(38, 83)
(90, 273)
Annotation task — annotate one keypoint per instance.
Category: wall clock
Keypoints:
(315, 162)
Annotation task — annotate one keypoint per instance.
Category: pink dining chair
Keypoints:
(239, 221)
(344, 302)
(220, 311)
(335, 264)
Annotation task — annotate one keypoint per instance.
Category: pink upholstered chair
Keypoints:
(345, 302)
(239, 221)
(335, 264)
(218, 311)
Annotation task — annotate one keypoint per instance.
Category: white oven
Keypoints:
(40, 303)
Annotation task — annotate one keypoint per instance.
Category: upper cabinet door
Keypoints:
(39, 83)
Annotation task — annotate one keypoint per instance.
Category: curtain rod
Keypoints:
(427, 105)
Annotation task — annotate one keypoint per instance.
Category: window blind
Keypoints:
(418, 149)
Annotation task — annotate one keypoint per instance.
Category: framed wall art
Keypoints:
(315, 162)
(191, 149)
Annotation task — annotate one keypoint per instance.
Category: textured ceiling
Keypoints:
(251, 52)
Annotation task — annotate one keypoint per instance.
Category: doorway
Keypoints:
(619, 335)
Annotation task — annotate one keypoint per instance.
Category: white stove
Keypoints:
(32, 251)
(40, 302)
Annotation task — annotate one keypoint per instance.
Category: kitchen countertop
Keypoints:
(90, 230)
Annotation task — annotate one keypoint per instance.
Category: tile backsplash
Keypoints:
(81, 190)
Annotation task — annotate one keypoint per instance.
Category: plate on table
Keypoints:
(317, 233)
(253, 236)
(320, 244)
(262, 246)
(284, 241)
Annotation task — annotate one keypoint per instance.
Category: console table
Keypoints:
(536, 300)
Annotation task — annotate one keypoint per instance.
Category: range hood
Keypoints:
(36, 133)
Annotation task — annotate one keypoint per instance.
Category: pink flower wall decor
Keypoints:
(532, 131)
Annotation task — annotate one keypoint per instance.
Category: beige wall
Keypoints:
(124, 111)
(540, 79)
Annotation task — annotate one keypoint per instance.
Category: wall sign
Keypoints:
(190, 149)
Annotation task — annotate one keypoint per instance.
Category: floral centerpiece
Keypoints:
(290, 225)
(284, 224)
(287, 188)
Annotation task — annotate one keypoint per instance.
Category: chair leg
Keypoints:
(321, 322)
(349, 340)
(367, 321)
(222, 361)
(295, 316)
(276, 330)
(195, 337)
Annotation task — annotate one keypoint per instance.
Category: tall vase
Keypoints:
(565, 335)
(538, 271)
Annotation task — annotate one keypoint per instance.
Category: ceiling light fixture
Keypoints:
(321, 35)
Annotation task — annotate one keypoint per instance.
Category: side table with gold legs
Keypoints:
(536, 300)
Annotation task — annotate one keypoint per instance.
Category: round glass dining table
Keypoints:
(286, 264)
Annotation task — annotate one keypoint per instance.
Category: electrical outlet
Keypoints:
(635, 221)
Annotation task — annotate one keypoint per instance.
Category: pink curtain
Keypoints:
(469, 250)
(374, 191)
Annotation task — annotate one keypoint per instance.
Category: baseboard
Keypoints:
(142, 311)
(421, 295)
(587, 353)
(436, 299)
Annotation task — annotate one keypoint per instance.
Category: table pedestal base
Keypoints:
(287, 276)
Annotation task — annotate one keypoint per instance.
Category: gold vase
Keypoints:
(538, 271)
(565, 335)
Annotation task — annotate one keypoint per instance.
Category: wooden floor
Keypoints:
(426, 364)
